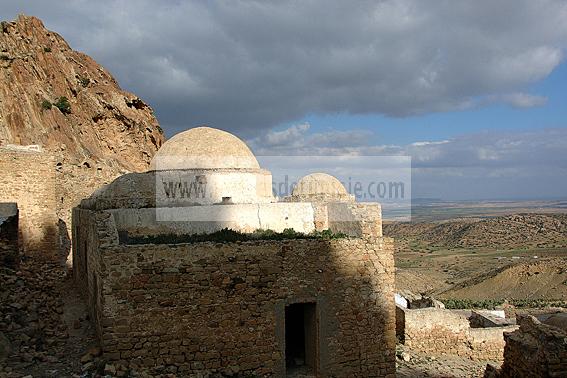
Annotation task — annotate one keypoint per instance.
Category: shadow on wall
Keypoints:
(49, 241)
(9, 247)
(64, 242)
(41, 242)
(364, 312)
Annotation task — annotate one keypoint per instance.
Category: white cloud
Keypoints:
(426, 143)
(482, 165)
(296, 140)
(286, 137)
(519, 100)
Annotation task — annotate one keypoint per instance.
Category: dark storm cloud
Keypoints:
(249, 65)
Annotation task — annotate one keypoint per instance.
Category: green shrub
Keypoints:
(47, 49)
(85, 81)
(491, 304)
(46, 105)
(5, 57)
(229, 236)
(63, 105)
(488, 304)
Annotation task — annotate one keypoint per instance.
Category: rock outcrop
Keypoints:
(64, 101)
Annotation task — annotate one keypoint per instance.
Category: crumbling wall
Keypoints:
(444, 332)
(534, 350)
(9, 251)
(219, 308)
(27, 177)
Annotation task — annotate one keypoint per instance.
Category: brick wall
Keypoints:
(28, 178)
(219, 308)
(444, 332)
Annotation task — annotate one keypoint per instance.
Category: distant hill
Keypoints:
(542, 280)
(506, 232)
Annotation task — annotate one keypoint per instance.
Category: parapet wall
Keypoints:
(444, 332)
(27, 177)
(534, 350)
(210, 218)
(219, 308)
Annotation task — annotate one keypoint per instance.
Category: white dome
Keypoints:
(319, 183)
(204, 148)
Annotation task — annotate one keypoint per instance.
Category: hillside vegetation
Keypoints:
(515, 257)
(520, 231)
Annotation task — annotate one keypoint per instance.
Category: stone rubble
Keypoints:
(32, 322)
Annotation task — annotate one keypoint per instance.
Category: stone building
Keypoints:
(253, 307)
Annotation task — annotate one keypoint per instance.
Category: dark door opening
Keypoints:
(301, 338)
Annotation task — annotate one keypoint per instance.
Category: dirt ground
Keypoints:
(411, 364)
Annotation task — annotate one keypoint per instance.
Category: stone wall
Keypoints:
(46, 190)
(75, 182)
(219, 308)
(444, 332)
(27, 177)
(355, 218)
(534, 350)
(9, 250)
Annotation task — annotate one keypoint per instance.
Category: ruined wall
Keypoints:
(9, 250)
(444, 332)
(220, 307)
(27, 177)
(534, 350)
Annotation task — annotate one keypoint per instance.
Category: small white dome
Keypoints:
(319, 183)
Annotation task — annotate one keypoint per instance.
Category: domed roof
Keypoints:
(204, 148)
(317, 184)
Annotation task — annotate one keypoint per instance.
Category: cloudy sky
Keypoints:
(473, 91)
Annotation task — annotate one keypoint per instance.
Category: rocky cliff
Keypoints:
(64, 101)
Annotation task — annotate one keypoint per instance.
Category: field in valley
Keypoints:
(521, 258)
